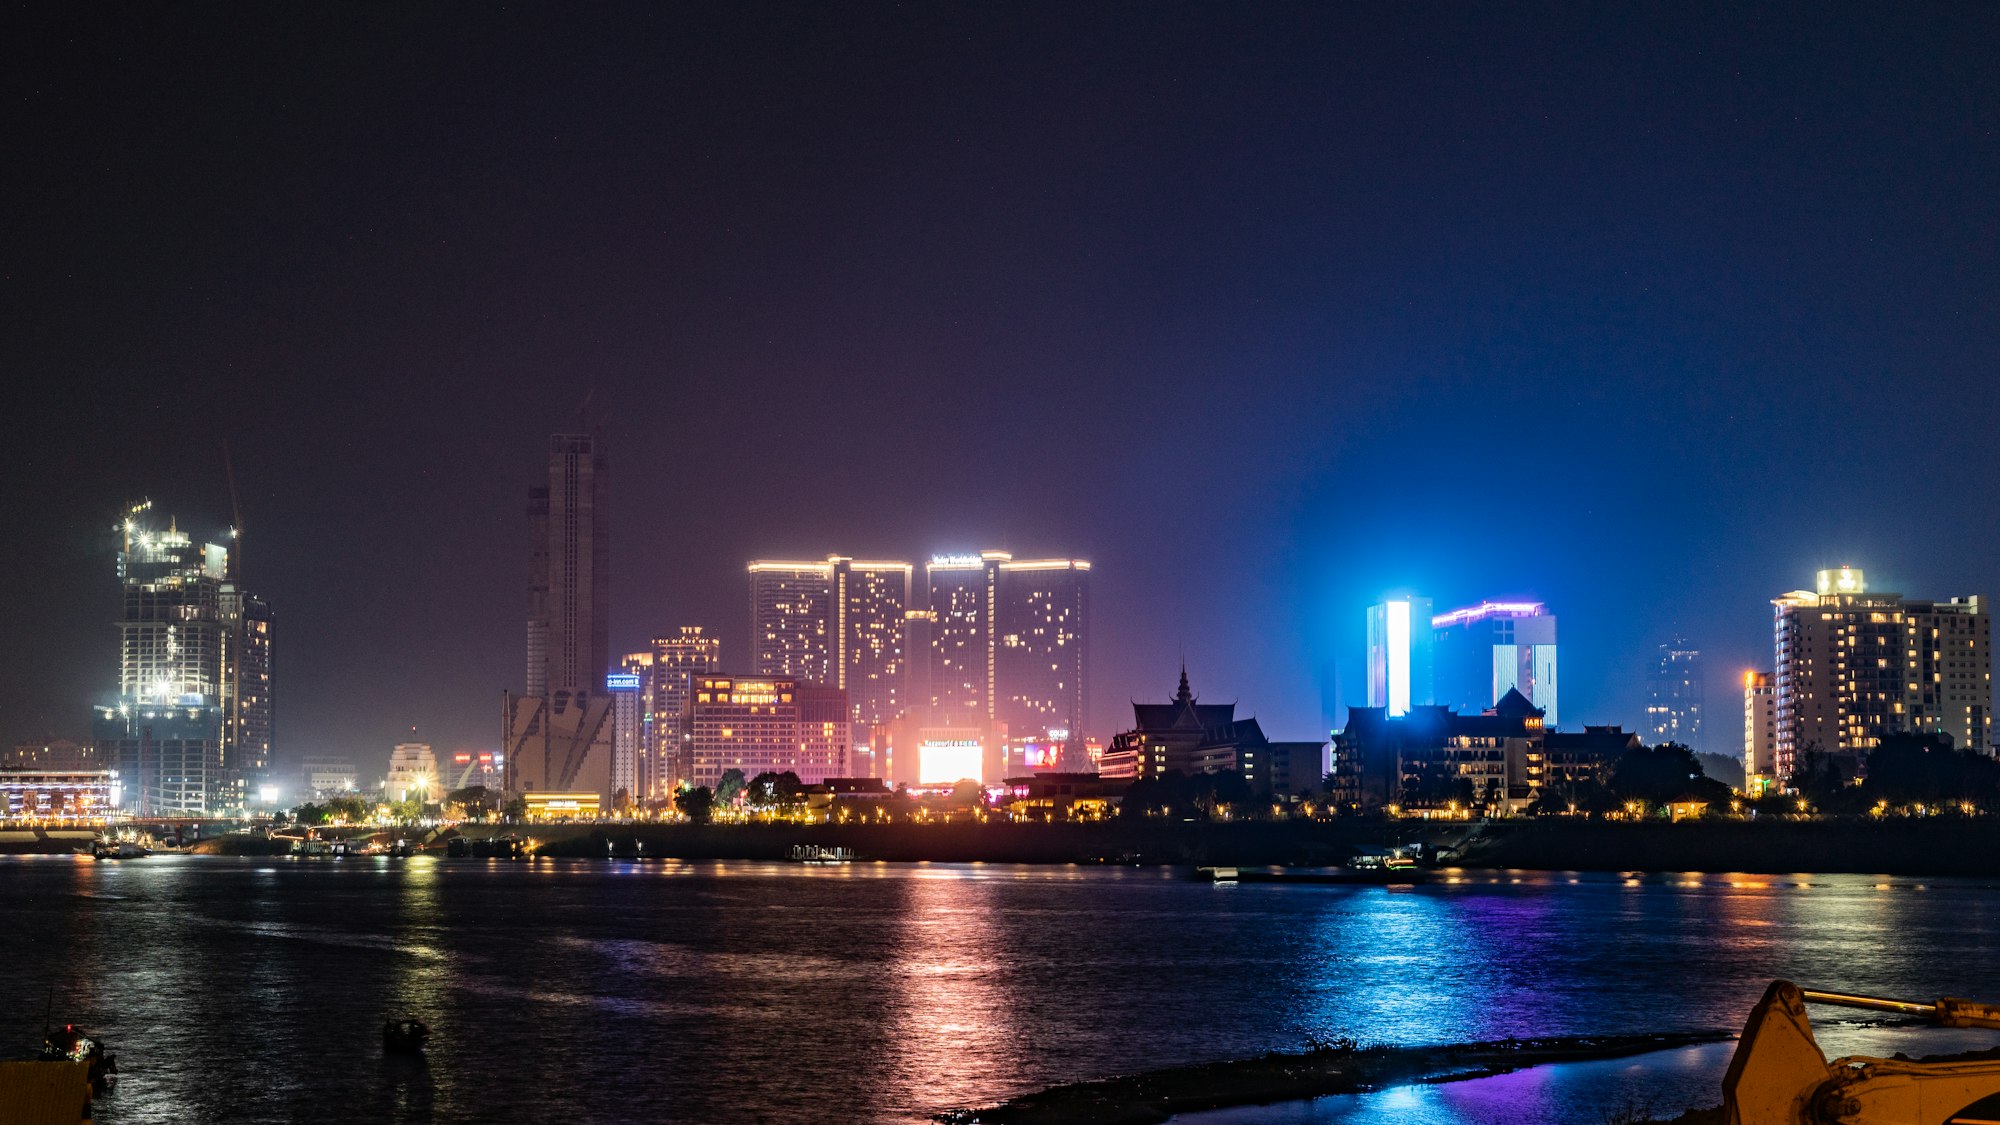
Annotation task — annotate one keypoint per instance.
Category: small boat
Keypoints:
(106, 848)
(73, 1046)
(821, 854)
(404, 1037)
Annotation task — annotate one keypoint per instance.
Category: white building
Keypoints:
(413, 772)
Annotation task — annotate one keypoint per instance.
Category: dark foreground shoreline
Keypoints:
(1144, 1099)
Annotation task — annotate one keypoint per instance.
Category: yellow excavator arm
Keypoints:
(1781, 1077)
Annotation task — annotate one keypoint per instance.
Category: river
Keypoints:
(255, 990)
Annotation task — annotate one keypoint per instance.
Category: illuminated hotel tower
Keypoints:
(1043, 649)
(1010, 640)
(964, 597)
(1399, 654)
(790, 625)
(1853, 666)
(841, 623)
(569, 570)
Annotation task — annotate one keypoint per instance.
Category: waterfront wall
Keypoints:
(1929, 847)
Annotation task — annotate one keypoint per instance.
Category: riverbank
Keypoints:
(1965, 847)
(1144, 1099)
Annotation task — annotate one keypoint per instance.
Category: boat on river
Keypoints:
(108, 847)
(821, 854)
(404, 1037)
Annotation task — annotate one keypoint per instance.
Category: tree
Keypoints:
(350, 809)
(761, 792)
(472, 801)
(729, 788)
(966, 794)
(1663, 774)
(1210, 793)
(310, 814)
(516, 808)
(696, 804)
(621, 801)
(1923, 769)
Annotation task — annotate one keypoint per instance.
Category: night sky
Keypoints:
(1647, 310)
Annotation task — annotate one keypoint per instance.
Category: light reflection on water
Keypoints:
(252, 990)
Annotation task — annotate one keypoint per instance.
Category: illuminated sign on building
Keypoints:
(941, 761)
(621, 681)
(956, 562)
(1846, 580)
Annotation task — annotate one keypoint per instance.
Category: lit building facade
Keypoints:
(1673, 696)
(1760, 731)
(1042, 654)
(167, 731)
(767, 723)
(1853, 666)
(328, 777)
(60, 755)
(413, 773)
(964, 594)
(1483, 652)
(1187, 737)
(249, 709)
(474, 769)
(676, 659)
(1400, 659)
(791, 628)
(870, 604)
(58, 795)
(569, 569)
(1497, 761)
(627, 731)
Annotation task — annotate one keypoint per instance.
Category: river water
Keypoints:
(255, 990)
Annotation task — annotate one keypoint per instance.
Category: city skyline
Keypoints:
(1648, 274)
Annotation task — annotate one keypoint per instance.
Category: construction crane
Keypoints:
(1781, 1077)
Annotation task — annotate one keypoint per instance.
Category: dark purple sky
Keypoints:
(1647, 310)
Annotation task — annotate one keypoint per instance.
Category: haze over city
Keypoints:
(1269, 312)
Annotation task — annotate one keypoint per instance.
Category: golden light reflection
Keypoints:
(952, 1017)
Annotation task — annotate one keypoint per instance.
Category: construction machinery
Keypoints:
(1781, 1077)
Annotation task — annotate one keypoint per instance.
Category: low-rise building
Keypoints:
(760, 724)
(1187, 737)
(1063, 796)
(43, 795)
(1496, 762)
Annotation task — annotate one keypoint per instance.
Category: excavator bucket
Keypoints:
(1778, 1064)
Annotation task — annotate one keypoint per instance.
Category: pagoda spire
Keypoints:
(1184, 696)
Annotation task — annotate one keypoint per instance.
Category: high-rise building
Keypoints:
(1854, 666)
(1400, 660)
(165, 730)
(1482, 652)
(249, 708)
(1043, 647)
(1760, 731)
(1673, 696)
(569, 569)
(842, 623)
(676, 659)
(627, 732)
(1009, 641)
(964, 595)
(760, 724)
(870, 606)
(791, 620)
